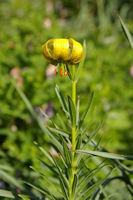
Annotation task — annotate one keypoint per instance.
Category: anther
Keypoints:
(55, 72)
(66, 72)
(61, 71)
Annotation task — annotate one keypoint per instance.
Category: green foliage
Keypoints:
(84, 184)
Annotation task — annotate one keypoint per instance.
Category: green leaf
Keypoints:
(24, 197)
(78, 145)
(87, 110)
(77, 112)
(66, 153)
(74, 186)
(8, 178)
(126, 31)
(92, 189)
(5, 193)
(47, 178)
(61, 121)
(51, 168)
(69, 73)
(39, 189)
(81, 63)
(63, 180)
(60, 132)
(61, 99)
(106, 155)
(79, 142)
(89, 177)
(6, 168)
(48, 156)
(72, 111)
(94, 133)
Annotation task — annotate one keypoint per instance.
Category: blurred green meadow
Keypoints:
(108, 71)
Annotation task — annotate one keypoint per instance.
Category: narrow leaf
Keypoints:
(77, 112)
(60, 132)
(87, 109)
(74, 187)
(126, 31)
(61, 99)
(106, 155)
(66, 153)
(88, 178)
(69, 73)
(49, 157)
(72, 111)
(79, 142)
(39, 189)
(63, 181)
(61, 121)
(8, 178)
(5, 193)
(24, 197)
(95, 186)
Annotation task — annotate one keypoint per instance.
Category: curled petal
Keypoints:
(77, 52)
(61, 49)
(66, 51)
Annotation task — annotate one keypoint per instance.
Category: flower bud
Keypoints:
(66, 51)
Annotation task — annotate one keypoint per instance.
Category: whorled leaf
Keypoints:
(106, 155)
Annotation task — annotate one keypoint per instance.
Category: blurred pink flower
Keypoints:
(50, 71)
(131, 71)
(47, 23)
(15, 73)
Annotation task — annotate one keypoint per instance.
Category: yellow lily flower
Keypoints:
(66, 51)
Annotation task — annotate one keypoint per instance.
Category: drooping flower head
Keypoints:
(64, 51)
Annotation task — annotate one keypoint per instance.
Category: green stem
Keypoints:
(73, 165)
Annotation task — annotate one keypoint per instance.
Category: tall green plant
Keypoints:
(67, 173)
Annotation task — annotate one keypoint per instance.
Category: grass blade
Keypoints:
(126, 31)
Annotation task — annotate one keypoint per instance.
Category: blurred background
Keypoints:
(108, 70)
